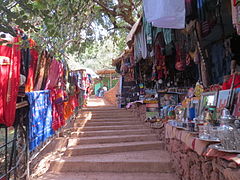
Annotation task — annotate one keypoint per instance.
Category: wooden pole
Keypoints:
(110, 80)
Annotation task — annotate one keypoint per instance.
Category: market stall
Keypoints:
(181, 77)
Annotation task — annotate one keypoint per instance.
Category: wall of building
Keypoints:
(110, 95)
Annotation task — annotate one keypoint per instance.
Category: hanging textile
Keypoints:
(167, 34)
(140, 45)
(68, 110)
(165, 14)
(57, 98)
(40, 118)
(26, 56)
(55, 71)
(191, 10)
(236, 16)
(29, 86)
(40, 70)
(161, 68)
(10, 57)
(46, 71)
(148, 31)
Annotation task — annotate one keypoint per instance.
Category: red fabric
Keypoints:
(161, 65)
(55, 72)
(235, 2)
(10, 58)
(57, 96)
(227, 85)
(180, 64)
(32, 67)
(74, 101)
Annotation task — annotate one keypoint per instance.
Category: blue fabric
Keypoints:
(40, 118)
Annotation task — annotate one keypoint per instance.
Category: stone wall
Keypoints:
(189, 165)
(110, 95)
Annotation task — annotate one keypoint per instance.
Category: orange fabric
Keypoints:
(68, 110)
(32, 67)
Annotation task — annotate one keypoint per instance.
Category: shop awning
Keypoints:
(106, 71)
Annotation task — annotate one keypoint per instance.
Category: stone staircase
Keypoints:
(107, 143)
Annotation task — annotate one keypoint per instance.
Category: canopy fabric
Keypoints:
(165, 14)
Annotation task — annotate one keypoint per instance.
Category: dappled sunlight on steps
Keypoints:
(106, 143)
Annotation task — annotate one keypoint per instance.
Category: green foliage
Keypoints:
(77, 27)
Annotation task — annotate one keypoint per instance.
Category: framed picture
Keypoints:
(152, 110)
(208, 99)
(223, 97)
(167, 99)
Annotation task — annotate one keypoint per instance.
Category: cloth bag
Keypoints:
(165, 14)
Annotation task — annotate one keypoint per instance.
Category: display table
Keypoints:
(194, 160)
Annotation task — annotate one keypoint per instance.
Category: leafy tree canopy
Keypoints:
(71, 26)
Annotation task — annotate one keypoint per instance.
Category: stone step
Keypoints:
(113, 116)
(106, 112)
(107, 123)
(137, 161)
(108, 176)
(110, 133)
(105, 119)
(90, 149)
(102, 109)
(100, 128)
(111, 139)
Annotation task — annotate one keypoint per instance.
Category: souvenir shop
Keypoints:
(38, 92)
(180, 75)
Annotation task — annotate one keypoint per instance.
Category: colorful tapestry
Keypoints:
(40, 118)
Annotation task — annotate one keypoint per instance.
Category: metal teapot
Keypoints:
(229, 133)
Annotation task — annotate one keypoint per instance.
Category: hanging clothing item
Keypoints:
(161, 68)
(46, 71)
(55, 72)
(57, 98)
(41, 67)
(165, 14)
(32, 66)
(140, 45)
(40, 118)
(236, 16)
(10, 59)
(26, 56)
(167, 34)
(68, 110)
(191, 10)
(148, 31)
